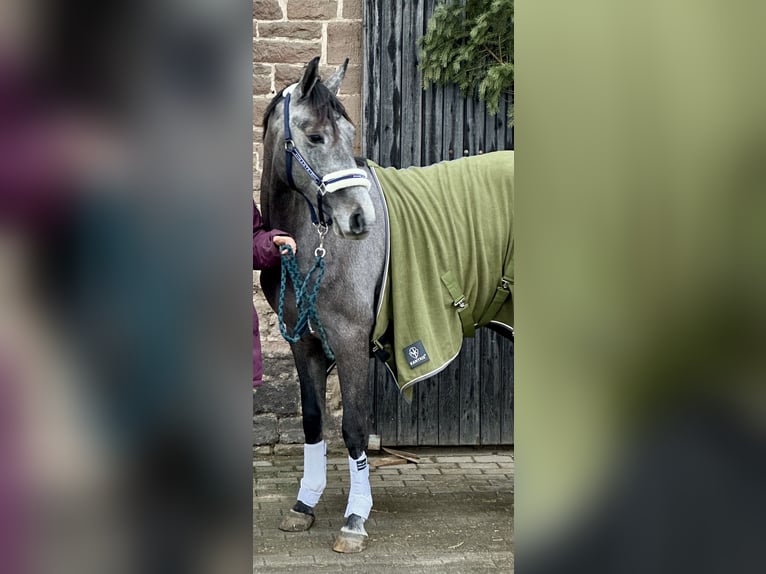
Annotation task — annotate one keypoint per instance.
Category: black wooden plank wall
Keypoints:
(471, 401)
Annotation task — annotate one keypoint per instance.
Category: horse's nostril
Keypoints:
(358, 222)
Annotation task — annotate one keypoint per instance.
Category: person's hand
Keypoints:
(281, 240)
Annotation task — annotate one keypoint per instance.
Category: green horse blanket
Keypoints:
(450, 261)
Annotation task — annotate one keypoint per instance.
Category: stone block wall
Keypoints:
(286, 35)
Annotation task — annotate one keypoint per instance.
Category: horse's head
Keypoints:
(312, 151)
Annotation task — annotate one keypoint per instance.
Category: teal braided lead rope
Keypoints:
(305, 299)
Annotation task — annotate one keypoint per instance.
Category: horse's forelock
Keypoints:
(323, 103)
(326, 105)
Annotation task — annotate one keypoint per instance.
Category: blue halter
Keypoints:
(329, 183)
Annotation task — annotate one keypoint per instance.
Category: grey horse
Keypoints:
(322, 132)
(311, 183)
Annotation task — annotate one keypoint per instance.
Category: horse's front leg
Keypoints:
(311, 364)
(352, 370)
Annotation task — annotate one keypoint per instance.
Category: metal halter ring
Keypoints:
(322, 229)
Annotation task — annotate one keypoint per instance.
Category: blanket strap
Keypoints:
(502, 292)
(458, 301)
(504, 288)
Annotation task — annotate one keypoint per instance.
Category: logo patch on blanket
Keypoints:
(415, 354)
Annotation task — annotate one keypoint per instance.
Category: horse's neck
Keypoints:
(278, 204)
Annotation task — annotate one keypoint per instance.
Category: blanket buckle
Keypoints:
(460, 303)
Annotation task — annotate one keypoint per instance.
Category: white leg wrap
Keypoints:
(314, 473)
(360, 494)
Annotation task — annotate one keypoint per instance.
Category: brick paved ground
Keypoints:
(451, 513)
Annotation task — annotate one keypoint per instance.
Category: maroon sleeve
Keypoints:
(265, 253)
(35, 178)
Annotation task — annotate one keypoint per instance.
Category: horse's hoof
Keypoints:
(350, 542)
(296, 521)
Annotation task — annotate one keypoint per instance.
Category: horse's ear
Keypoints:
(333, 82)
(310, 77)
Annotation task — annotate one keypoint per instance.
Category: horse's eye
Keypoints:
(316, 139)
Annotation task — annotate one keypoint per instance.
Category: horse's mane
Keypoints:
(322, 102)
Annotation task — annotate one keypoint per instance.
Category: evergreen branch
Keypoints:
(466, 44)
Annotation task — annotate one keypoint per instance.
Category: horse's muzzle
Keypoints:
(358, 223)
(352, 212)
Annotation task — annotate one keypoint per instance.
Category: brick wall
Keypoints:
(286, 35)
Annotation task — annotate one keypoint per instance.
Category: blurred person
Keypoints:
(148, 260)
(267, 247)
(117, 349)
